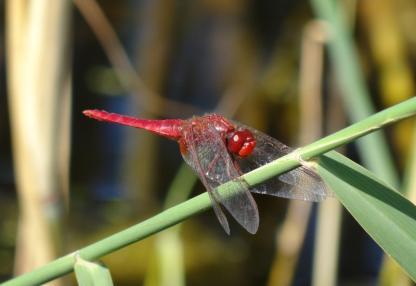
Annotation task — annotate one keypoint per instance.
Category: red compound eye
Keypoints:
(241, 142)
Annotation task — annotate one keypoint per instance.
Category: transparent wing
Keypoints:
(208, 156)
(301, 183)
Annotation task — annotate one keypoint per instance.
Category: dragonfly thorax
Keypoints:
(241, 142)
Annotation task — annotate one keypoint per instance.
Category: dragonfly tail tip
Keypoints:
(88, 112)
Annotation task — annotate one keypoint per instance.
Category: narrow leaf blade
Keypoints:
(388, 217)
(91, 274)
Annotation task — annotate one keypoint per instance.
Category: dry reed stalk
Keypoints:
(292, 233)
(328, 227)
(38, 74)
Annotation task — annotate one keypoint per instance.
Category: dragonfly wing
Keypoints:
(301, 183)
(219, 213)
(191, 158)
(208, 156)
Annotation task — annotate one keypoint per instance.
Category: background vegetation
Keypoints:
(66, 181)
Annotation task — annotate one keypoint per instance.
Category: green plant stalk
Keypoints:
(344, 57)
(114, 242)
(370, 124)
(202, 202)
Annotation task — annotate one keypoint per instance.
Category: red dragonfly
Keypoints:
(220, 150)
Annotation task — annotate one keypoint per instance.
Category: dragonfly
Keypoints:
(220, 150)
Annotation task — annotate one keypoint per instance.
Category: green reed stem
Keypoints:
(202, 202)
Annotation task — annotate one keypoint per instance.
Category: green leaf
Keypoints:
(91, 274)
(388, 217)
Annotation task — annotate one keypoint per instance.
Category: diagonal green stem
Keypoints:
(370, 124)
(202, 202)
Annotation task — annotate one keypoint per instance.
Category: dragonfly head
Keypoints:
(241, 142)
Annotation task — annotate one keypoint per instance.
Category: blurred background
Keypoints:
(297, 70)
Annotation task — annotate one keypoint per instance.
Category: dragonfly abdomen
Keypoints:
(170, 128)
